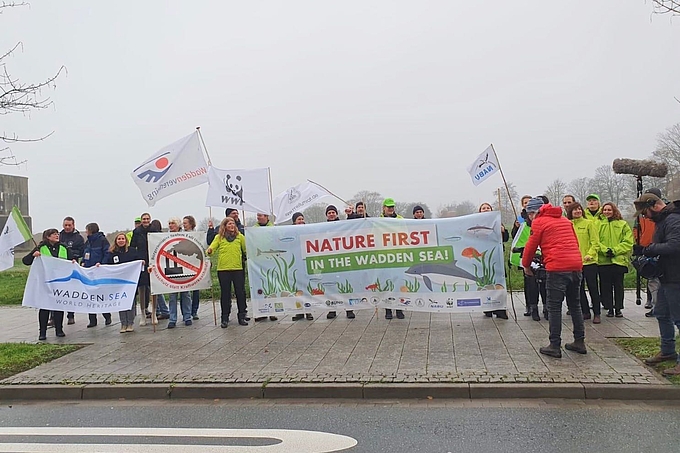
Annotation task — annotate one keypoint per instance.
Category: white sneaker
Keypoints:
(142, 322)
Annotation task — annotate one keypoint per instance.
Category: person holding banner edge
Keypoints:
(184, 296)
(73, 240)
(263, 221)
(230, 246)
(332, 216)
(119, 253)
(96, 252)
(486, 207)
(189, 224)
(49, 246)
(299, 219)
(388, 211)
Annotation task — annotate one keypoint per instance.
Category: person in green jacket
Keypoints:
(230, 246)
(388, 210)
(588, 237)
(594, 211)
(616, 245)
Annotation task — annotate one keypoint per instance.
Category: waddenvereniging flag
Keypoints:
(176, 167)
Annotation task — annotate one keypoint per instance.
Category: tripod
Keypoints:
(638, 282)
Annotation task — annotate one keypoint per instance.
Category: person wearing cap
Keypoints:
(666, 246)
(332, 216)
(299, 219)
(533, 287)
(594, 210)
(128, 235)
(418, 212)
(588, 237)
(613, 257)
(388, 210)
(359, 211)
(555, 235)
(643, 231)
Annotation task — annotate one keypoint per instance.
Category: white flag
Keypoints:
(297, 198)
(14, 233)
(174, 168)
(240, 189)
(61, 285)
(483, 167)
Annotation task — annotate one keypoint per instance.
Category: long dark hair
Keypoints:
(617, 214)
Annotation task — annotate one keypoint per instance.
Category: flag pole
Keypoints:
(271, 196)
(341, 199)
(198, 129)
(507, 189)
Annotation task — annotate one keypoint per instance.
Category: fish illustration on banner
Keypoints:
(436, 265)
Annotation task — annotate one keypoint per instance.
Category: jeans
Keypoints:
(127, 317)
(185, 305)
(194, 302)
(590, 279)
(611, 285)
(667, 313)
(238, 278)
(532, 290)
(653, 290)
(560, 285)
(161, 306)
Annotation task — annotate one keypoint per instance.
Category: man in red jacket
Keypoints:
(555, 236)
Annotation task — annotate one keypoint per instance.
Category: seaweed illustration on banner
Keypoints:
(377, 287)
(280, 280)
(484, 259)
(319, 290)
(410, 286)
(345, 288)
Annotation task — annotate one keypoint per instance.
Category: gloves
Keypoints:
(638, 250)
(610, 253)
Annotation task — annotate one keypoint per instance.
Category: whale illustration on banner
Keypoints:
(441, 274)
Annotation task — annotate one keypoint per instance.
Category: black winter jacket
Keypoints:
(74, 242)
(666, 242)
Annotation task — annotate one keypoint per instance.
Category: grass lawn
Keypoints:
(18, 357)
(646, 347)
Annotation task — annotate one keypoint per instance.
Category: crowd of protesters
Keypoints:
(587, 259)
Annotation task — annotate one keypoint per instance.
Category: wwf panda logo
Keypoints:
(234, 186)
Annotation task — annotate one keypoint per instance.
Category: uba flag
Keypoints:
(61, 285)
(176, 167)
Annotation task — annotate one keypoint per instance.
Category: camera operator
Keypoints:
(666, 245)
(563, 264)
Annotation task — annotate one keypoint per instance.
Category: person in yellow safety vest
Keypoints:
(49, 246)
(388, 210)
(128, 235)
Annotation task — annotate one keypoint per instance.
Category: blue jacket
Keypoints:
(96, 250)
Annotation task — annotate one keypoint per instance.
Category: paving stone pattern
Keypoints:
(455, 348)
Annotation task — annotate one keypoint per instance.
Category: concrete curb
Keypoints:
(340, 391)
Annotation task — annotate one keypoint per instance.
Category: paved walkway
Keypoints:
(465, 348)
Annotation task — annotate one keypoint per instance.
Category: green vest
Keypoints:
(519, 241)
(63, 253)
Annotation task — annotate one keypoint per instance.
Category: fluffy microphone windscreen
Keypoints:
(640, 167)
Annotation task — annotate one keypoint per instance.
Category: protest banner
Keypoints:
(61, 285)
(178, 262)
(440, 265)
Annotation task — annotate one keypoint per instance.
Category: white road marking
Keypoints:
(297, 441)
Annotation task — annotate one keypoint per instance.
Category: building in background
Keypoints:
(14, 192)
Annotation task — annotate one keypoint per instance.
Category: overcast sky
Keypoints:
(393, 96)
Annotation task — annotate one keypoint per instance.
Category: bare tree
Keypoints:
(612, 187)
(666, 6)
(20, 97)
(457, 209)
(555, 191)
(317, 213)
(203, 223)
(507, 213)
(668, 151)
(580, 188)
(372, 200)
(406, 209)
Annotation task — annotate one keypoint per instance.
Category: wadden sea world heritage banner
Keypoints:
(440, 265)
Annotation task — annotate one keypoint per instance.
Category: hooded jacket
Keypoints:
(140, 241)
(96, 250)
(557, 239)
(617, 236)
(74, 242)
(666, 242)
(588, 239)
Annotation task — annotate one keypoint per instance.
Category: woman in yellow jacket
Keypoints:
(588, 242)
(616, 245)
(230, 246)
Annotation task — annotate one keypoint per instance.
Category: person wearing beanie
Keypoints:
(418, 212)
(555, 235)
(332, 213)
(332, 216)
(298, 219)
(359, 211)
(233, 213)
(643, 236)
(533, 287)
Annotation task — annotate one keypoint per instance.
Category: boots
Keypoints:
(545, 312)
(534, 313)
(400, 314)
(577, 346)
(388, 313)
(552, 351)
(527, 312)
(43, 335)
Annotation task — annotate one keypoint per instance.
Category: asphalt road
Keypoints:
(261, 426)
